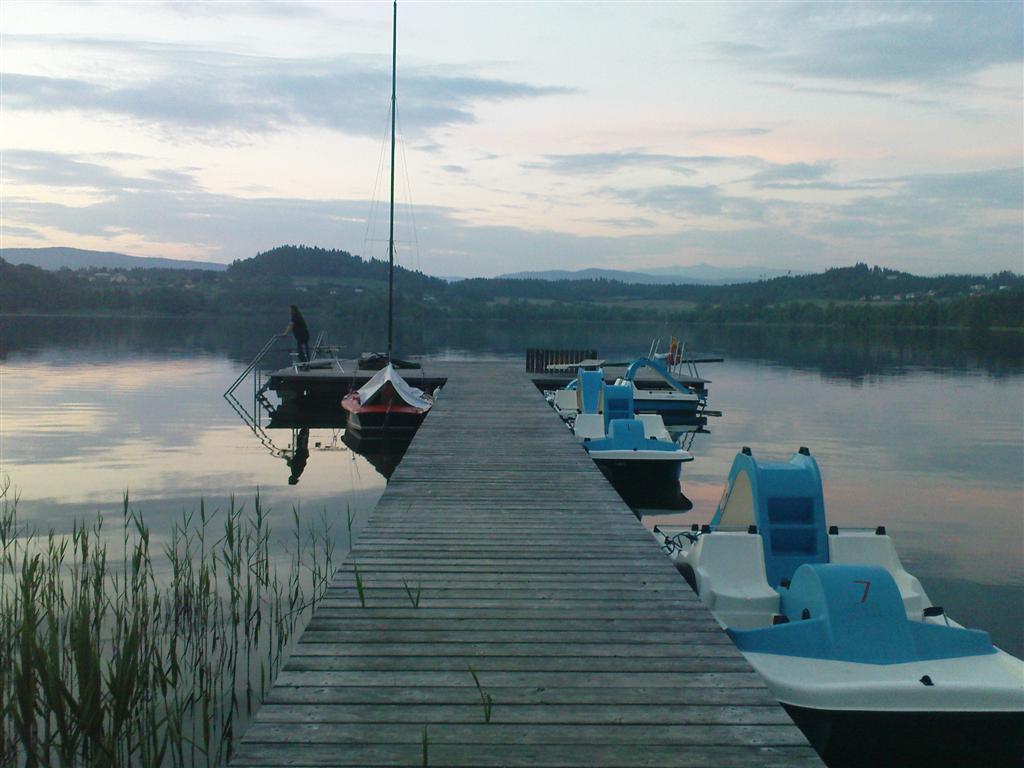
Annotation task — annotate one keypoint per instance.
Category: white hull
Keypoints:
(991, 683)
(922, 710)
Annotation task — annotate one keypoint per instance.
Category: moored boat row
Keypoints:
(628, 440)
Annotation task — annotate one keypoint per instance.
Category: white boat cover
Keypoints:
(410, 394)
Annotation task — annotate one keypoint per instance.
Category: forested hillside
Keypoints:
(338, 283)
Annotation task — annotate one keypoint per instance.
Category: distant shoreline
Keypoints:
(562, 321)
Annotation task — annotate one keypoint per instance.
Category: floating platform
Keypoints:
(558, 379)
(499, 550)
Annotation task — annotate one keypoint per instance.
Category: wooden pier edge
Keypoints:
(509, 610)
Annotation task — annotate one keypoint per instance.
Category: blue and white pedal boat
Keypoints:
(635, 452)
(674, 402)
(846, 639)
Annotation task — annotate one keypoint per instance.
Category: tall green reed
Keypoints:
(105, 660)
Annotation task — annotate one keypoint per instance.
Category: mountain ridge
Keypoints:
(697, 274)
(54, 258)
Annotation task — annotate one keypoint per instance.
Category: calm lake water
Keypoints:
(920, 432)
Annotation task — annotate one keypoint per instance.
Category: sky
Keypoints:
(531, 136)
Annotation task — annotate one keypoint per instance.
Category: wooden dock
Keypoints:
(529, 570)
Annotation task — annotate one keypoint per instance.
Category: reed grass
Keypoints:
(360, 589)
(107, 661)
(485, 698)
(413, 598)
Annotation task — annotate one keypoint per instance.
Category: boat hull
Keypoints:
(644, 483)
(857, 738)
(668, 407)
(671, 413)
(379, 420)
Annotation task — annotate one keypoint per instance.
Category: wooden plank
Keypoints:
(526, 567)
(466, 726)
(308, 660)
(256, 754)
(469, 711)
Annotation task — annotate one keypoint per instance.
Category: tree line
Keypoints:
(343, 285)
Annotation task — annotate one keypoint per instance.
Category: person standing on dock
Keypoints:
(297, 326)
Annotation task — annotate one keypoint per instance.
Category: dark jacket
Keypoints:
(299, 326)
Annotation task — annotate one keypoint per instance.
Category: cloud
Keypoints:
(941, 200)
(52, 169)
(806, 176)
(786, 175)
(680, 199)
(936, 222)
(213, 93)
(273, 10)
(995, 189)
(634, 222)
(21, 232)
(166, 208)
(940, 222)
(454, 168)
(880, 42)
(731, 133)
(610, 162)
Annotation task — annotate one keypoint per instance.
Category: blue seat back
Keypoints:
(627, 432)
(855, 613)
(590, 385)
(786, 503)
(628, 435)
(618, 403)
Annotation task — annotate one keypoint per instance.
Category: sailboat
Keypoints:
(387, 403)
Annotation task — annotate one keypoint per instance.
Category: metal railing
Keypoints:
(252, 419)
(249, 368)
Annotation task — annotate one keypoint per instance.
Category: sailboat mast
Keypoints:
(391, 232)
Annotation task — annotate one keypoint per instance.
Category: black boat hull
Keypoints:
(932, 739)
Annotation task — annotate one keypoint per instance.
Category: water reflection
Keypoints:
(851, 354)
(299, 454)
(921, 432)
(384, 453)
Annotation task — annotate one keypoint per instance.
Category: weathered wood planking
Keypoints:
(529, 569)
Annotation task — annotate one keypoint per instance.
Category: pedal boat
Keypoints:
(846, 639)
(635, 452)
(387, 403)
(674, 402)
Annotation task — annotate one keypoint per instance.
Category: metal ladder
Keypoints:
(259, 399)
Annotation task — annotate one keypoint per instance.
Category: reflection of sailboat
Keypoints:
(384, 453)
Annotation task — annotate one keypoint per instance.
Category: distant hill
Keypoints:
(76, 258)
(338, 284)
(708, 273)
(290, 261)
(699, 274)
(640, 278)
